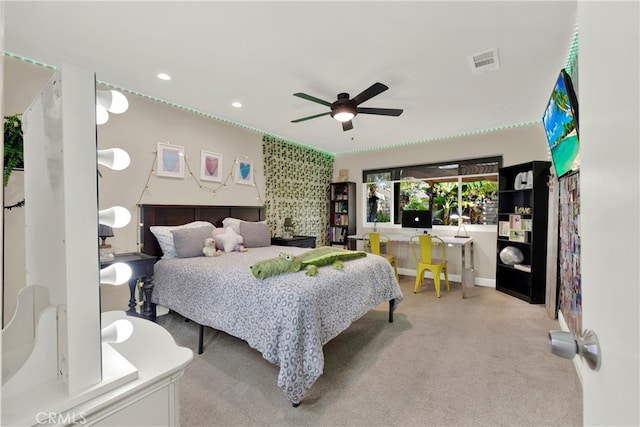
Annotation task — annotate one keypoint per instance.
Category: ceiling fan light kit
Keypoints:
(345, 109)
(342, 110)
(343, 116)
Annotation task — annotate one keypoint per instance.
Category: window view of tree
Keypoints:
(415, 195)
(471, 185)
(480, 200)
(445, 198)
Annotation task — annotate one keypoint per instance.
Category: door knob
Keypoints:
(565, 344)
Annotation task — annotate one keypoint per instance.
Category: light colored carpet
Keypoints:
(483, 361)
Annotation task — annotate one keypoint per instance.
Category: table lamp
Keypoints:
(106, 252)
(288, 228)
(461, 218)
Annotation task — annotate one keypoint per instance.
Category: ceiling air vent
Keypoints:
(484, 62)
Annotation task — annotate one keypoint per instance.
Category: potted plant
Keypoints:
(13, 145)
(13, 150)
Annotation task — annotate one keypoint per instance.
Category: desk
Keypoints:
(462, 242)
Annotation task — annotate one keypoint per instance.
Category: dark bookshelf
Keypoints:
(342, 219)
(522, 211)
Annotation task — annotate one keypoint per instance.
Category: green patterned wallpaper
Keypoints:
(297, 182)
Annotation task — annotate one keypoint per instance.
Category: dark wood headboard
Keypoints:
(182, 214)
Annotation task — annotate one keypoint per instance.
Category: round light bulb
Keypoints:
(102, 116)
(119, 103)
(115, 274)
(117, 332)
(115, 217)
(114, 158)
(112, 101)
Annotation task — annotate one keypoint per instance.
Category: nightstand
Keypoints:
(141, 271)
(299, 241)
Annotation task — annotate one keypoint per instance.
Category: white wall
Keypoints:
(516, 145)
(139, 130)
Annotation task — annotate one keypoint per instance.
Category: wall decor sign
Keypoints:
(523, 181)
(524, 210)
(244, 172)
(517, 236)
(515, 222)
(503, 228)
(170, 160)
(210, 166)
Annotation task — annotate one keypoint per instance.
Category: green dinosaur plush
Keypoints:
(312, 270)
(309, 260)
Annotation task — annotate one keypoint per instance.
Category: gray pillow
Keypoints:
(189, 242)
(255, 234)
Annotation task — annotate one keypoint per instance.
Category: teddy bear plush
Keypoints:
(228, 240)
(210, 247)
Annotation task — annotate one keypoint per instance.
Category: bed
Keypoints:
(288, 317)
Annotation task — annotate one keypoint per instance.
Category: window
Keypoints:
(379, 198)
(466, 187)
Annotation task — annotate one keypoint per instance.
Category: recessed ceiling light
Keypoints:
(236, 104)
(163, 76)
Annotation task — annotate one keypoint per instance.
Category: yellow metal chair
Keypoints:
(424, 243)
(373, 242)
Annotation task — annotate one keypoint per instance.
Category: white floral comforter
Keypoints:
(289, 317)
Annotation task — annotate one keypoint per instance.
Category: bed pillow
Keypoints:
(189, 241)
(234, 223)
(164, 237)
(255, 234)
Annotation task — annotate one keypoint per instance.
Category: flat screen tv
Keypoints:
(417, 220)
(560, 122)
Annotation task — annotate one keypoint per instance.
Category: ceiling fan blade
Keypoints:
(311, 117)
(312, 98)
(381, 111)
(347, 126)
(373, 90)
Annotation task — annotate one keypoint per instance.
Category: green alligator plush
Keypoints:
(309, 260)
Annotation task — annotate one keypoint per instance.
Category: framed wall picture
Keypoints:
(210, 166)
(526, 225)
(503, 228)
(517, 236)
(515, 222)
(244, 172)
(170, 160)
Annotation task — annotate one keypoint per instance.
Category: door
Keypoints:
(609, 137)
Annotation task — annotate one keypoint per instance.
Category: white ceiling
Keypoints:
(260, 53)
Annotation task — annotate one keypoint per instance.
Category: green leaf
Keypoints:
(13, 145)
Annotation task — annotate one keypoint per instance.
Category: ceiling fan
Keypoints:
(345, 109)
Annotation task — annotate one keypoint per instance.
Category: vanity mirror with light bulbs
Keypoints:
(60, 355)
